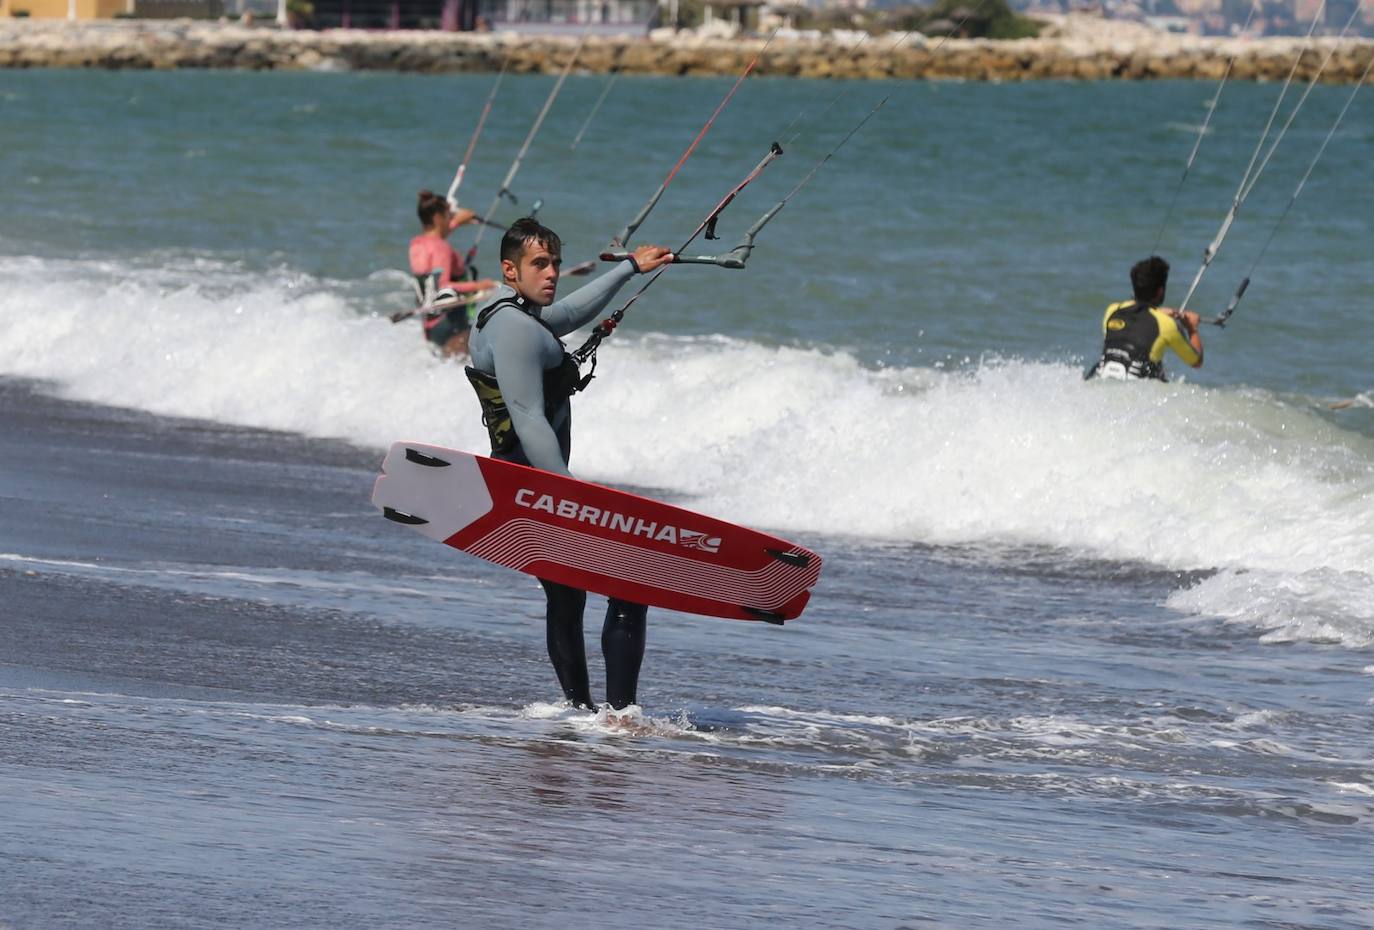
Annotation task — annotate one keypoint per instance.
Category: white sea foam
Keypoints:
(1318, 606)
(820, 716)
(631, 721)
(280, 352)
(793, 439)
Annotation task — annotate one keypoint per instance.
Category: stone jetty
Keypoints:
(1075, 48)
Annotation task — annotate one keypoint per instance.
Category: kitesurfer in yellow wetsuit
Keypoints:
(1136, 332)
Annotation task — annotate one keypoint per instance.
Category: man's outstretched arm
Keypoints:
(587, 302)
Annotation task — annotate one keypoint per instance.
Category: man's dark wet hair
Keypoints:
(1148, 276)
(528, 229)
(430, 206)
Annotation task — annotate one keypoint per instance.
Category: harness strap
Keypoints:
(426, 286)
(570, 379)
(490, 310)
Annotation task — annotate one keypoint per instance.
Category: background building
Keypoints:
(111, 9)
(66, 9)
(571, 16)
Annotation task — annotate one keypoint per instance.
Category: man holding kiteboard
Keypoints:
(524, 379)
(1136, 332)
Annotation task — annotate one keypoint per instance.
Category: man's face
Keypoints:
(535, 275)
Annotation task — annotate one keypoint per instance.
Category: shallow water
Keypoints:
(1093, 654)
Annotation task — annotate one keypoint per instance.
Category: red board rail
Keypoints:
(593, 537)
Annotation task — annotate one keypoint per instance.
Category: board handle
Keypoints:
(419, 458)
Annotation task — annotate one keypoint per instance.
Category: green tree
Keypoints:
(968, 19)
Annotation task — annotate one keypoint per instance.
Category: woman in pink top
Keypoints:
(441, 276)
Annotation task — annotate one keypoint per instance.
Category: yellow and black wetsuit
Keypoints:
(1135, 336)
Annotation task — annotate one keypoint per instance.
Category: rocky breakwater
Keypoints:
(1067, 50)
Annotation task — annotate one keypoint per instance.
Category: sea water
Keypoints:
(1081, 653)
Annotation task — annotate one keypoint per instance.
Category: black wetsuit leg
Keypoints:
(563, 619)
(622, 643)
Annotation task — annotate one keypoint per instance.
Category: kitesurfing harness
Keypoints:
(1131, 332)
(445, 321)
(428, 293)
(560, 383)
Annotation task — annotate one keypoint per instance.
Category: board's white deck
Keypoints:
(450, 498)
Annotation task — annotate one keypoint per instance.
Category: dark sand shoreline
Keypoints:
(128, 493)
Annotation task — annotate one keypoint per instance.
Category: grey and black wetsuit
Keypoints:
(521, 372)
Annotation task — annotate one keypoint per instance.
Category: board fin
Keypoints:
(767, 616)
(419, 458)
(791, 558)
(400, 516)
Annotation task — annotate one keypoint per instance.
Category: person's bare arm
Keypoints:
(1189, 346)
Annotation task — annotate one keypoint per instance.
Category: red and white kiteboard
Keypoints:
(593, 537)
